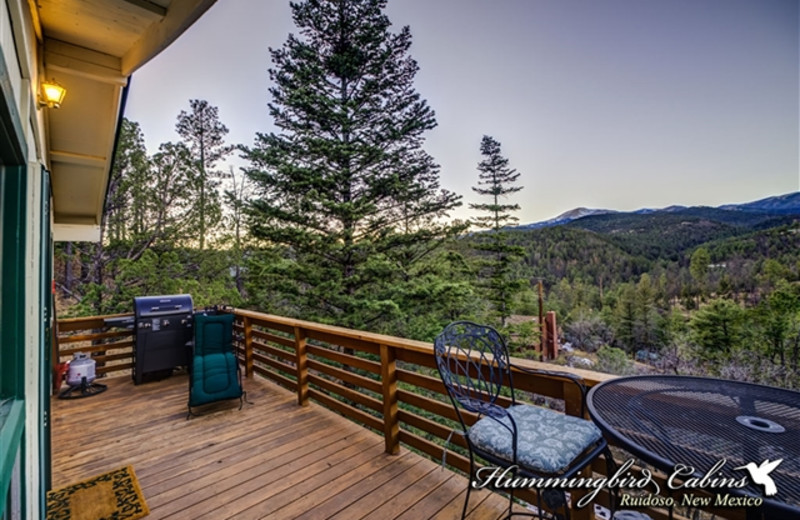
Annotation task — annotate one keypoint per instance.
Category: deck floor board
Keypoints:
(272, 459)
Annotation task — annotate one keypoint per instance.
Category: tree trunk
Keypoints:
(202, 193)
(68, 267)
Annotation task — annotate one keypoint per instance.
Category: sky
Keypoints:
(614, 104)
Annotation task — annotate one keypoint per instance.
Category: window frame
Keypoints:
(13, 220)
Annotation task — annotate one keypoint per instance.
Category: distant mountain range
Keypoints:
(750, 214)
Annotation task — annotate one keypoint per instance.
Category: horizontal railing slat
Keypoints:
(86, 323)
(112, 357)
(273, 351)
(98, 348)
(345, 359)
(277, 365)
(431, 405)
(284, 381)
(344, 375)
(347, 393)
(280, 340)
(422, 381)
(114, 368)
(346, 410)
(351, 343)
(432, 427)
(74, 338)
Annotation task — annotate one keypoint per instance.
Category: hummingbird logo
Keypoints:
(760, 475)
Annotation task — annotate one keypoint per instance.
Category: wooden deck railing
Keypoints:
(111, 348)
(385, 383)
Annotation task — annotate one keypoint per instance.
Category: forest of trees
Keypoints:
(339, 217)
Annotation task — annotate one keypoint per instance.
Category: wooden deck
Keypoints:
(273, 459)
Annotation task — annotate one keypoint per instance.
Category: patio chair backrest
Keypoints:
(474, 365)
(213, 334)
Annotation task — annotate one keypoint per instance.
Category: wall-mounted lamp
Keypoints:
(51, 95)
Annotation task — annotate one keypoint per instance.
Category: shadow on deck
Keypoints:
(272, 459)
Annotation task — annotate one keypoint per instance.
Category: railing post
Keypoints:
(302, 366)
(391, 424)
(572, 406)
(572, 398)
(248, 346)
(551, 345)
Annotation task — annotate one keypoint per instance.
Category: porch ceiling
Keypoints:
(91, 47)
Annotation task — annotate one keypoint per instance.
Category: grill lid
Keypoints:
(147, 306)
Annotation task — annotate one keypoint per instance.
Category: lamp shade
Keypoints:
(52, 94)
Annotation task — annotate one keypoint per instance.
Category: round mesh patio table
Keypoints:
(697, 421)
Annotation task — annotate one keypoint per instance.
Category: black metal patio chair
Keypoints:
(474, 365)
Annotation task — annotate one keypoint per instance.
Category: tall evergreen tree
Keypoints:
(127, 199)
(204, 135)
(236, 197)
(626, 318)
(648, 320)
(698, 268)
(718, 327)
(496, 180)
(172, 203)
(345, 184)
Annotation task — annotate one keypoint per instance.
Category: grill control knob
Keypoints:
(165, 323)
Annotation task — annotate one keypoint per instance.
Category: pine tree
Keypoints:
(204, 135)
(625, 317)
(718, 327)
(496, 180)
(236, 197)
(345, 185)
(698, 267)
(173, 207)
(648, 320)
(127, 199)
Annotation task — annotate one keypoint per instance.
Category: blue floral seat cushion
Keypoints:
(547, 441)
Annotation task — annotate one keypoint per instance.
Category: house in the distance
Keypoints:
(55, 167)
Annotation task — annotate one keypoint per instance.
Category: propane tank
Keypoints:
(80, 366)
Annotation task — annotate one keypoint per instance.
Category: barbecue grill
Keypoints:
(163, 327)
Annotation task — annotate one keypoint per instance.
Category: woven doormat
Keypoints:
(115, 495)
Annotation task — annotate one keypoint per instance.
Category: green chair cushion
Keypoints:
(215, 370)
(213, 334)
(214, 378)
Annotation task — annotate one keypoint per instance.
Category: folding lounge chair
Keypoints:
(214, 372)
